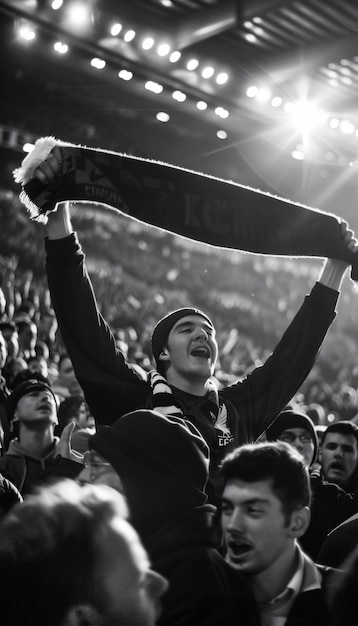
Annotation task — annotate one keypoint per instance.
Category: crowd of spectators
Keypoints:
(138, 277)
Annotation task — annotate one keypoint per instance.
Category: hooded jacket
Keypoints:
(27, 471)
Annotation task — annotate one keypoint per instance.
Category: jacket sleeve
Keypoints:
(269, 388)
(110, 386)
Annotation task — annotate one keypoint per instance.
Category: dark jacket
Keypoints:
(330, 506)
(112, 388)
(311, 607)
(27, 471)
(9, 495)
(340, 543)
(204, 590)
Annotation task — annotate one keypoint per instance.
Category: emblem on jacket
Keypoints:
(224, 433)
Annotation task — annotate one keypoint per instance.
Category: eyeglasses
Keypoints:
(96, 467)
(291, 437)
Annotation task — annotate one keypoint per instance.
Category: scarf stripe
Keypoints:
(165, 402)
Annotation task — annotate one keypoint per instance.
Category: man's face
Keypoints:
(255, 531)
(192, 348)
(36, 406)
(83, 417)
(301, 439)
(339, 456)
(130, 590)
(98, 471)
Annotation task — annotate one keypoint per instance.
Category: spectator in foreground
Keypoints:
(68, 557)
(265, 510)
(161, 465)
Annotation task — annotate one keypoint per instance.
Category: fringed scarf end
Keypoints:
(31, 162)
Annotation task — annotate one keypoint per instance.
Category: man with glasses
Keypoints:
(331, 505)
(295, 428)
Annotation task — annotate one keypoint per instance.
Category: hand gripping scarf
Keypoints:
(197, 206)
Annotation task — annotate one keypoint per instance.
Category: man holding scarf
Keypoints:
(184, 348)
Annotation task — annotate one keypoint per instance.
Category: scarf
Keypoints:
(165, 402)
(196, 206)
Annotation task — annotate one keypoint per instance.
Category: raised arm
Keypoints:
(109, 384)
(269, 388)
(59, 223)
(111, 387)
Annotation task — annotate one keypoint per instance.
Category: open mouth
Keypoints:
(45, 407)
(202, 352)
(336, 469)
(238, 549)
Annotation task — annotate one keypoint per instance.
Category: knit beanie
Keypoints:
(164, 326)
(292, 419)
(32, 384)
(163, 463)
